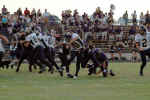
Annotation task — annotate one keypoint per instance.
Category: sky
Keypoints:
(56, 6)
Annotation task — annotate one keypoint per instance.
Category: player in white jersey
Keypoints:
(34, 40)
(45, 41)
(2, 50)
(38, 52)
(143, 45)
(77, 48)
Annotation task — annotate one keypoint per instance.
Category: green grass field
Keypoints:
(126, 85)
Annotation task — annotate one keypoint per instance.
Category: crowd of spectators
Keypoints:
(20, 20)
(85, 24)
(98, 26)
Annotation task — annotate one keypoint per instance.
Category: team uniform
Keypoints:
(23, 52)
(2, 50)
(144, 43)
(63, 54)
(48, 42)
(38, 51)
(76, 51)
(98, 58)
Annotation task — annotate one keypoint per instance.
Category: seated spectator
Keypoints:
(134, 56)
(111, 33)
(112, 51)
(125, 44)
(118, 33)
(132, 32)
(119, 46)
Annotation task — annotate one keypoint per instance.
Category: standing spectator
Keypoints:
(134, 17)
(142, 18)
(4, 10)
(147, 18)
(33, 13)
(46, 14)
(110, 19)
(39, 14)
(4, 21)
(26, 12)
(19, 12)
(125, 17)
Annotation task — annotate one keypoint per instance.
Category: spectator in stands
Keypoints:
(147, 18)
(142, 18)
(98, 12)
(110, 19)
(118, 49)
(112, 51)
(4, 10)
(125, 17)
(4, 21)
(19, 12)
(132, 32)
(134, 57)
(111, 33)
(46, 14)
(39, 14)
(26, 12)
(118, 33)
(33, 13)
(134, 18)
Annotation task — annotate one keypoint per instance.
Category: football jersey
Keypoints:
(78, 43)
(1, 46)
(148, 37)
(52, 41)
(49, 40)
(41, 39)
(142, 40)
(14, 46)
(33, 38)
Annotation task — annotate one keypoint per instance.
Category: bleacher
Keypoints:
(105, 44)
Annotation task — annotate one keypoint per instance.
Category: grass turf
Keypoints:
(126, 85)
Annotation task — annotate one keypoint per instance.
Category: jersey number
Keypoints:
(144, 43)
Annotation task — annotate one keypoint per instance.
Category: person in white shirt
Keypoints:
(143, 46)
(76, 50)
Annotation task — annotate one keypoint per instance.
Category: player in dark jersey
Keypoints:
(63, 54)
(99, 59)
